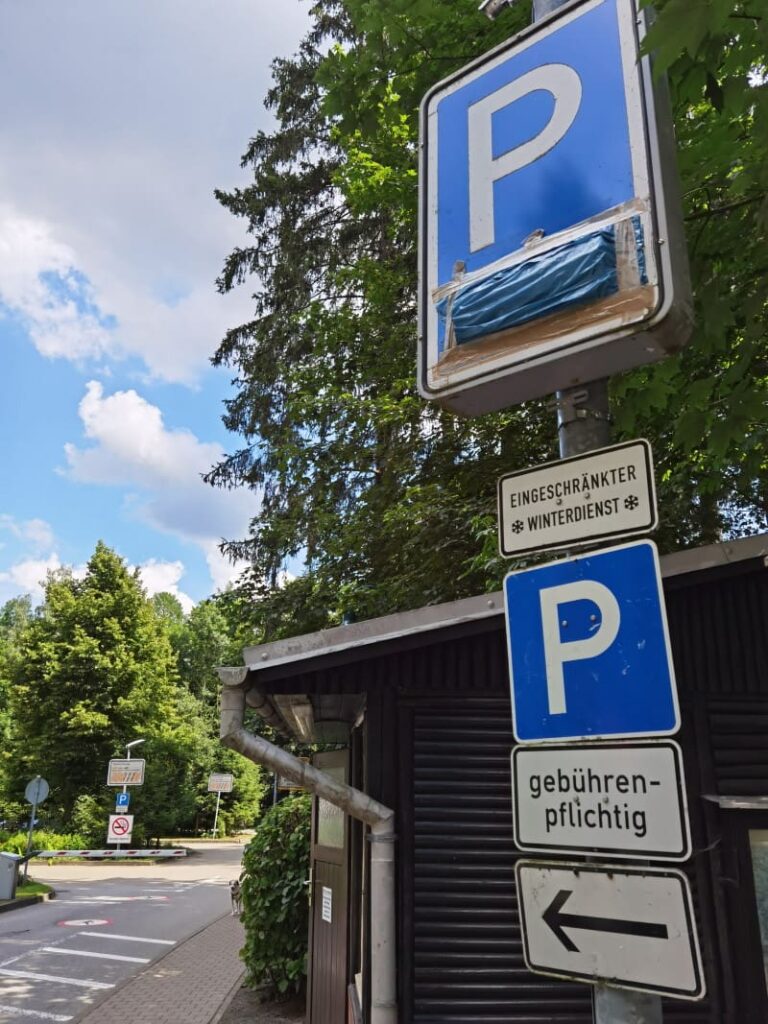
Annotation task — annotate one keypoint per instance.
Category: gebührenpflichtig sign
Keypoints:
(622, 799)
(602, 495)
(552, 249)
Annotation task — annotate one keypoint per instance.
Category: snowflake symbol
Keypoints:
(631, 503)
(517, 526)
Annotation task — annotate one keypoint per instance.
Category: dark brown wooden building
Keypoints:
(420, 702)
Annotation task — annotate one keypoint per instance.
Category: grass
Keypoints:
(32, 889)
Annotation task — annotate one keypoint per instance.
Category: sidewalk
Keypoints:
(193, 984)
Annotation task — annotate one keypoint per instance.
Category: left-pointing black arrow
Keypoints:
(556, 920)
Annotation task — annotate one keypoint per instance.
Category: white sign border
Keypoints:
(597, 737)
(124, 760)
(553, 849)
(644, 160)
(597, 538)
(619, 869)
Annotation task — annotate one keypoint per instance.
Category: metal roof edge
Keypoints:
(468, 609)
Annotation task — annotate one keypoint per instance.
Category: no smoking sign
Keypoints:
(120, 828)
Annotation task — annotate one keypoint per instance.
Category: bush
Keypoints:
(275, 898)
(42, 840)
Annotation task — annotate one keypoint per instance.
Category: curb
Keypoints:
(228, 998)
(26, 901)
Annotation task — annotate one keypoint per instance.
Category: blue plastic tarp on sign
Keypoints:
(573, 274)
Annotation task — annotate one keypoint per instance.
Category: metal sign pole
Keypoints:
(583, 423)
(216, 816)
(32, 814)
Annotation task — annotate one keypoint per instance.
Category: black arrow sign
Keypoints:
(556, 920)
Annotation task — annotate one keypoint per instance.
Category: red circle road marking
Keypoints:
(120, 826)
(85, 922)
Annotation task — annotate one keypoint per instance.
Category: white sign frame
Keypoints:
(562, 810)
(614, 485)
(221, 782)
(126, 771)
(501, 376)
(114, 837)
(563, 919)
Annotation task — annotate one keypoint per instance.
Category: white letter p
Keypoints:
(558, 651)
(484, 169)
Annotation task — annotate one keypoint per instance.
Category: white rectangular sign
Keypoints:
(624, 799)
(327, 905)
(631, 927)
(126, 771)
(597, 496)
(120, 828)
(220, 783)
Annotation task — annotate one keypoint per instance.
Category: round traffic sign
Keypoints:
(37, 790)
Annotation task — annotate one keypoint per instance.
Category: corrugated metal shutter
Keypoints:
(468, 961)
(467, 950)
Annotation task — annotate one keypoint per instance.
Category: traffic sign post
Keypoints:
(589, 648)
(604, 495)
(622, 799)
(632, 927)
(36, 791)
(551, 235)
(120, 828)
(552, 255)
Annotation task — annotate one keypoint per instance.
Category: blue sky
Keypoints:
(118, 121)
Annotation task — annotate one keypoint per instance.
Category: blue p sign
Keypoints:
(589, 648)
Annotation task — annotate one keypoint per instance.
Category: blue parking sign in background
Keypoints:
(589, 648)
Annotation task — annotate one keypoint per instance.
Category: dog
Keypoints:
(236, 895)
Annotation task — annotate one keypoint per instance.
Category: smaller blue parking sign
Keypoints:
(589, 648)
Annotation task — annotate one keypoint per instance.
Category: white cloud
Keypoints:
(40, 285)
(131, 446)
(163, 578)
(28, 576)
(34, 532)
(111, 152)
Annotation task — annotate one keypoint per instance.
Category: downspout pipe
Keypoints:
(357, 804)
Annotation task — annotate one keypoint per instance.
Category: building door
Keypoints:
(327, 981)
(744, 884)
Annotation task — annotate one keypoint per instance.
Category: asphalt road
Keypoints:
(57, 959)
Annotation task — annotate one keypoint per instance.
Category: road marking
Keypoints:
(37, 1014)
(55, 977)
(84, 922)
(99, 956)
(129, 938)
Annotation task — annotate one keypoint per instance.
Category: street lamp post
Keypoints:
(128, 748)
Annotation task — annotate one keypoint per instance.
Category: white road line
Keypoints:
(37, 1014)
(56, 978)
(98, 956)
(129, 938)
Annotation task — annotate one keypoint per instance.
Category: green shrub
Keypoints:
(16, 842)
(275, 898)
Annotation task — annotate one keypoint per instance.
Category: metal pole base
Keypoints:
(618, 1006)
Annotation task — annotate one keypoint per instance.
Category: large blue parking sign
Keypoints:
(542, 191)
(589, 648)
